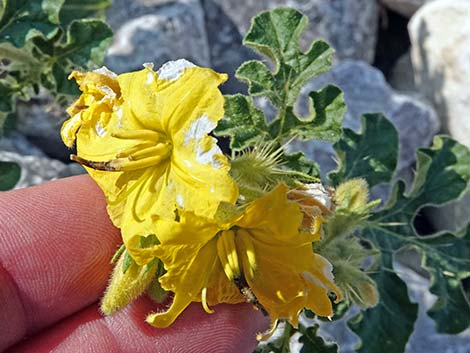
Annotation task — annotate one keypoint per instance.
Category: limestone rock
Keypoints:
(156, 31)
(349, 26)
(18, 143)
(404, 7)
(40, 120)
(225, 42)
(440, 52)
(402, 77)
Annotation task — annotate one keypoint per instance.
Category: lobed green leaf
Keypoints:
(276, 34)
(372, 154)
(243, 122)
(388, 326)
(327, 108)
(22, 20)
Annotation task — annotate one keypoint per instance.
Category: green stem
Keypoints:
(282, 118)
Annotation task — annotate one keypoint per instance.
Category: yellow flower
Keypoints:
(143, 137)
(260, 256)
(315, 202)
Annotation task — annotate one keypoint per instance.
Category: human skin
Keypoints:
(56, 242)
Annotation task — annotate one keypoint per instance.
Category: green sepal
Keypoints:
(371, 154)
(127, 261)
(10, 174)
(148, 241)
(128, 281)
(117, 254)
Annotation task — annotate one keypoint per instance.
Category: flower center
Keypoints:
(154, 148)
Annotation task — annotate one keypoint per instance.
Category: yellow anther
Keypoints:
(227, 252)
(159, 149)
(248, 261)
(122, 164)
(138, 135)
(136, 148)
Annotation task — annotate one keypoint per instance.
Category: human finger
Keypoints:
(232, 328)
(55, 246)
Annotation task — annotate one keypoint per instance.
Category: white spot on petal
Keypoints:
(180, 200)
(199, 128)
(106, 72)
(172, 70)
(212, 189)
(188, 163)
(208, 157)
(149, 78)
(99, 129)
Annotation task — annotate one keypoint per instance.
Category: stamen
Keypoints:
(249, 261)
(105, 166)
(120, 164)
(136, 148)
(204, 301)
(138, 135)
(224, 259)
(159, 149)
(229, 241)
(125, 164)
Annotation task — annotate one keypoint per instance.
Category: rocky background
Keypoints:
(409, 59)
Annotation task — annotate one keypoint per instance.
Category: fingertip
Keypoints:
(57, 241)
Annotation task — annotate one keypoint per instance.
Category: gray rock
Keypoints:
(440, 52)
(225, 42)
(39, 120)
(440, 38)
(37, 170)
(349, 26)
(404, 7)
(453, 216)
(156, 31)
(366, 91)
(402, 77)
(18, 143)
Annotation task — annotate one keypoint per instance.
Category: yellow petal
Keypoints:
(288, 276)
(262, 217)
